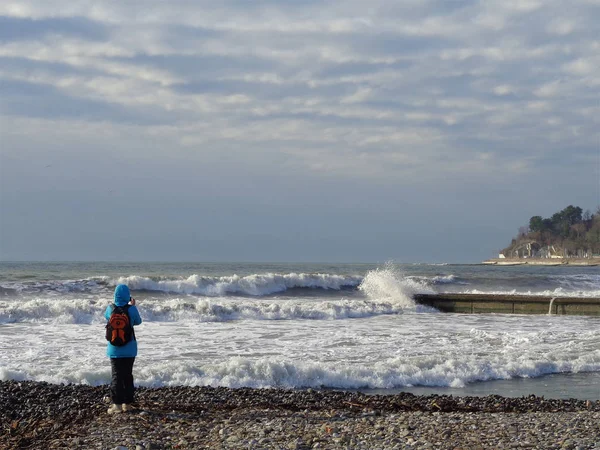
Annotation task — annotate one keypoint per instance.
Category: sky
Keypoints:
(308, 130)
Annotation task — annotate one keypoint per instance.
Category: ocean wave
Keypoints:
(280, 372)
(438, 280)
(558, 292)
(204, 310)
(389, 282)
(252, 285)
(55, 310)
(217, 299)
(393, 373)
(587, 282)
(92, 285)
(430, 264)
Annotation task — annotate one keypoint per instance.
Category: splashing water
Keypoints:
(391, 285)
(306, 325)
(550, 309)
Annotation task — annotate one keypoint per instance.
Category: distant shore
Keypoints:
(542, 261)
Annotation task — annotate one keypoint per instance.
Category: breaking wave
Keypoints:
(281, 372)
(217, 299)
(205, 310)
(252, 285)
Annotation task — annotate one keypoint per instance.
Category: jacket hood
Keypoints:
(122, 295)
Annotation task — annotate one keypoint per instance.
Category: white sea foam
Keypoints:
(252, 285)
(294, 330)
(436, 280)
(390, 284)
(204, 310)
(558, 292)
(54, 310)
(337, 358)
(444, 279)
(386, 281)
(386, 290)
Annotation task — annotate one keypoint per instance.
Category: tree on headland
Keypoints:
(536, 223)
(563, 220)
(567, 233)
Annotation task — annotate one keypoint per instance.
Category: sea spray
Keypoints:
(391, 285)
(321, 331)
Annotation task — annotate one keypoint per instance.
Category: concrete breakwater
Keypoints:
(510, 304)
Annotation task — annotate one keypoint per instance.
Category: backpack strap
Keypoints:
(126, 309)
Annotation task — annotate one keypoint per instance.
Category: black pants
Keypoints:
(121, 387)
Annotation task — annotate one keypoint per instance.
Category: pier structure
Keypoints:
(510, 304)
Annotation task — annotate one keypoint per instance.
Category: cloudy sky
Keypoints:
(280, 130)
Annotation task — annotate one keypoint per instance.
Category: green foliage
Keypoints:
(570, 232)
(536, 223)
(562, 221)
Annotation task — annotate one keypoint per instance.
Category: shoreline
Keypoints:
(43, 415)
(550, 262)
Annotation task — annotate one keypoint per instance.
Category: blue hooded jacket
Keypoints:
(122, 297)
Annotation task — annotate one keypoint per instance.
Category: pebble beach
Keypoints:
(39, 415)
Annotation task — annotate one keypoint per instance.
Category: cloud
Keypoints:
(428, 94)
(15, 28)
(273, 61)
(504, 89)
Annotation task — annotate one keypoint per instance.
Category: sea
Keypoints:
(296, 326)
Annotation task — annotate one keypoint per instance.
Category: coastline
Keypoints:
(43, 415)
(576, 262)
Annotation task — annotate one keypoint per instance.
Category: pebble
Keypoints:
(44, 415)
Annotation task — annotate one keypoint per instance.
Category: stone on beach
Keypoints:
(43, 415)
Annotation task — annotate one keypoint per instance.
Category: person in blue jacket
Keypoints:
(122, 358)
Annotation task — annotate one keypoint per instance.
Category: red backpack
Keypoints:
(119, 330)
